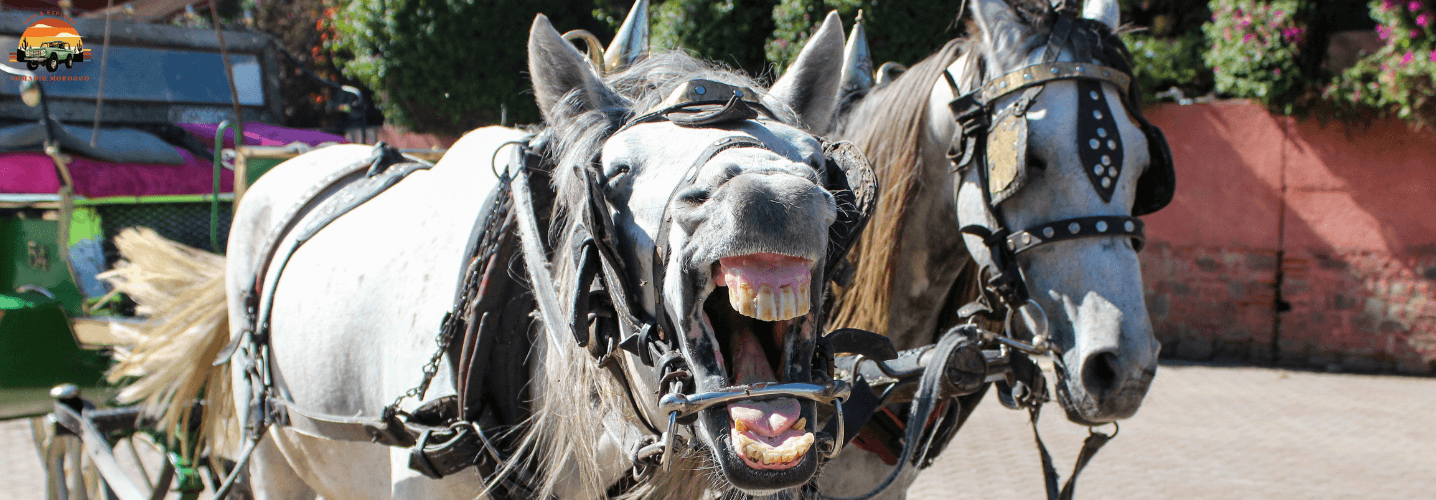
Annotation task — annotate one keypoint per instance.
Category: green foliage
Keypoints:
(447, 66)
(1256, 50)
(725, 31)
(904, 32)
(307, 103)
(1398, 79)
(1164, 63)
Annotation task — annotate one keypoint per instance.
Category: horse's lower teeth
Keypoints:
(762, 453)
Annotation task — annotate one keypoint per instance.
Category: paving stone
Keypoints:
(1208, 432)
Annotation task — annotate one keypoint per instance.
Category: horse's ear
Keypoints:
(557, 69)
(1107, 11)
(810, 85)
(1002, 31)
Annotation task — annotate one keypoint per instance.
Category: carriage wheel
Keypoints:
(69, 475)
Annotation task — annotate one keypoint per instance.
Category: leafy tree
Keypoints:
(905, 32)
(726, 31)
(448, 66)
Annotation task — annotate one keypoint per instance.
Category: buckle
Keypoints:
(445, 451)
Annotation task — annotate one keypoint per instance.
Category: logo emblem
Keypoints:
(50, 42)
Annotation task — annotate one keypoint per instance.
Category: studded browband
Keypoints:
(1039, 74)
(1076, 228)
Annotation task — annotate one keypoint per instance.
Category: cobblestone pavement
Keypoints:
(1209, 432)
(1205, 432)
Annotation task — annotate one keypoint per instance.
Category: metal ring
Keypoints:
(838, 443)
(1116, 429)
(493, 159)
(668, 439)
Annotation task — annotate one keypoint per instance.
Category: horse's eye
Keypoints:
(616, 172)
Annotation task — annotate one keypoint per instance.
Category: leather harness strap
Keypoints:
(443, 443)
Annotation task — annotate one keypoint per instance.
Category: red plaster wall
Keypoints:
(1344, 216)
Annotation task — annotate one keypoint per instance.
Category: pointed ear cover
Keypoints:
(631, 42)
(1107, 11)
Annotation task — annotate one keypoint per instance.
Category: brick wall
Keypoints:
(1295, 242)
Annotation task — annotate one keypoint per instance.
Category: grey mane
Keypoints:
(886, 122)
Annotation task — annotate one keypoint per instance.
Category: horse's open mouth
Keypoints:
(765, 292)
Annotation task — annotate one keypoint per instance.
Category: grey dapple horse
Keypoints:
(915, 268)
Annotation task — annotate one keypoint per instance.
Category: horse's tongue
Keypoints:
(767, 286)
(750, 365)
(765, 418)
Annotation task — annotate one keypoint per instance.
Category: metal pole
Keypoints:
(229, 73)
(104, 61)
(214, 201)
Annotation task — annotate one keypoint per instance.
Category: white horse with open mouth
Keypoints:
(713, 210)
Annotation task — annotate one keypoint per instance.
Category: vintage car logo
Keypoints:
(50, 42)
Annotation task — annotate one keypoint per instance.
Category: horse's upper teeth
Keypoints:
(767, 307)
(767, 304)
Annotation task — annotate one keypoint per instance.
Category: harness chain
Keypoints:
(456, 319)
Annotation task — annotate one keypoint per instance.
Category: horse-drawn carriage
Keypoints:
(76, 170)
(576, 274)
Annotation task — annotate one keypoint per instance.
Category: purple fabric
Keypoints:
(259, 134)
(34, 173)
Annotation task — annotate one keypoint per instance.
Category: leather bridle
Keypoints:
(607, 302)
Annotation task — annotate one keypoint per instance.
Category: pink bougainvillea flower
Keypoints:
(1408, 58)
(1415, 5)
(1387, 5)
(1383, 32)
(1433, 56)
(1277, 72)
(1424, 19)
(1247, 37)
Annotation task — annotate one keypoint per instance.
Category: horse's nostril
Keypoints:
(1099, 374)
